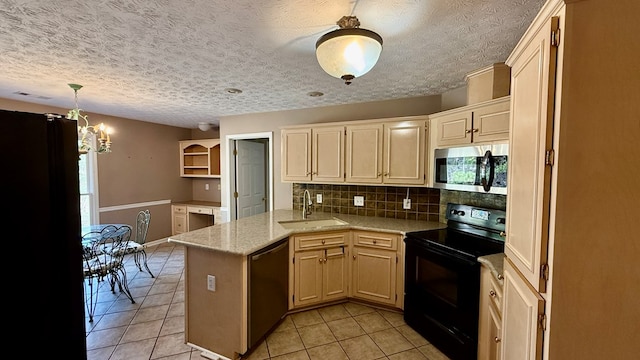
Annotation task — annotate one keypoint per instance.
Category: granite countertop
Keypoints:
(197, 202)
(248, 235)
(494, 262)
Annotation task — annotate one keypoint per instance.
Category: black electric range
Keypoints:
(442, 277)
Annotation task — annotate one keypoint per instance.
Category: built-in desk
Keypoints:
(192, 215)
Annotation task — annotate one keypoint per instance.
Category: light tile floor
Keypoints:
(153, 327)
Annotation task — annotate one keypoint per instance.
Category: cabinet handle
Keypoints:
(467, 131)
(354, 257)
(309, 173)
(320, 261)
(500, 277)
(323, 241)
(492, 293)
(379, 174)
(496, 339)
(375, 241)
(386, 174)
(503, 234)
(475, 130)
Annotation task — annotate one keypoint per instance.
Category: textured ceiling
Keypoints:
(170, 61)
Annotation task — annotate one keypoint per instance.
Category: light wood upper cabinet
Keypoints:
(313, 154)
(529, 174)
(385, 151)
(200, 158)
(478, 123)
(403, 151)
(327, 162)
(364, 153)
(296, 154)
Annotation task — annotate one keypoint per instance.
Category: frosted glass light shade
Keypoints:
(348, 53)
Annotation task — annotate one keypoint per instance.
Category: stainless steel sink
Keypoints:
(306, 224)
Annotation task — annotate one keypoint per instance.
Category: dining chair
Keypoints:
(103, 259)
(136, 246)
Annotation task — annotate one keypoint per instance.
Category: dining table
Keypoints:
(95, 240)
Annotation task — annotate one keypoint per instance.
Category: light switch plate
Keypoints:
(211, 283)
(406, 204)
(358, 201)
(319, 198)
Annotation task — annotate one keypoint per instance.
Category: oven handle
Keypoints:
(451, 256)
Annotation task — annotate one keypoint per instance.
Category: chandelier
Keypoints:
(348, 52)
(86, 132)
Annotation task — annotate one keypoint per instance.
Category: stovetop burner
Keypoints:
(471, 231)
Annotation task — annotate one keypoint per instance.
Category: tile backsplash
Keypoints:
(386, 201)
(379, 201)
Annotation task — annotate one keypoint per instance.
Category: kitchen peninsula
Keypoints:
(218, 281)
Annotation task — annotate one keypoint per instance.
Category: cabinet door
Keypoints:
(490, 323)
(491, 123)
(308, 277)
(521, 310)
(364, 153)
(178, 219)
(453, 129)
(296, 154)
(403, 161)
(531, 123)
(334, 270)
(374, 275)
(328, 154)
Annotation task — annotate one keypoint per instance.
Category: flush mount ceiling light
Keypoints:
(349, 52)
(204, 126)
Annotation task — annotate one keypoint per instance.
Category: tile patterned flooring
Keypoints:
(153, 327)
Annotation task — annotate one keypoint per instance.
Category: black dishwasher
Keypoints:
(268, 289)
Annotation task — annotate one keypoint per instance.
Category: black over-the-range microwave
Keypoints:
(481, 168)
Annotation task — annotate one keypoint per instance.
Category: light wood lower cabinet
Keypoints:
(522, 316)
(359, 264)
(375, 267)
(320, 268)
(178, 219)
(490, 322)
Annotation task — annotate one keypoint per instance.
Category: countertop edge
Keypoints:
(494, 262)
(248, 235)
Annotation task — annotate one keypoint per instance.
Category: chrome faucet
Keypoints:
(306, 204)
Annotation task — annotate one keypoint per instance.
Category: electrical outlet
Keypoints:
(358, 201)
(206, 187)
(211, 283)
(218, 186)
(406, 204)
(319, 198)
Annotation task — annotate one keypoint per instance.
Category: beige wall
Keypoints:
(272, 121)
(143, 167)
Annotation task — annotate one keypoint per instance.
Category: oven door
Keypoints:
(441, 297)
(480, 168)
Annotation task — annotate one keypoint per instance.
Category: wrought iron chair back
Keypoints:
(103, 258)
(136, 246)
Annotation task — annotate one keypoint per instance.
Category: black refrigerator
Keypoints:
(42, 252)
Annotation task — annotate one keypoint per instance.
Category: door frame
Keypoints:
(231, 171)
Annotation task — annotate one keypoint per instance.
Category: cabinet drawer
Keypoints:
(376, 240)
(319, 240)
(179, 209)
(495, 294)
(200, 210)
